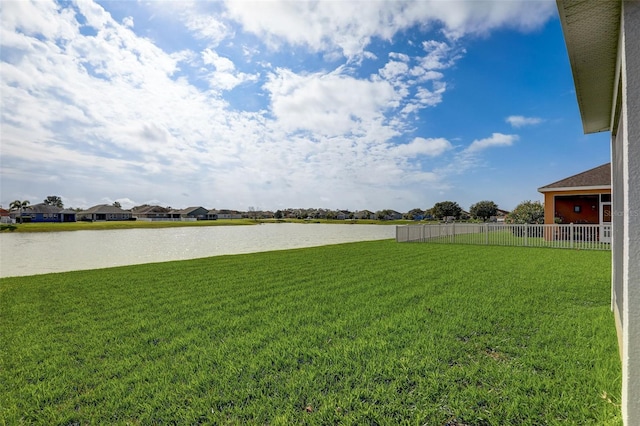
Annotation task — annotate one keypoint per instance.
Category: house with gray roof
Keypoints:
(190, 213)
(147, 212)
(104, 212)
(224, 214)
(47, 213)
(581, 198)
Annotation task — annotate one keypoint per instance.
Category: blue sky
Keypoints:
(275, 104)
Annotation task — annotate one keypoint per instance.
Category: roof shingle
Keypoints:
(598, 176)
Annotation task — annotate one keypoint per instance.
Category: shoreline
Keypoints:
(141, 224)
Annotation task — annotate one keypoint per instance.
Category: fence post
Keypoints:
(526, 234)
(453, 231)
(423, 238)
(486, 234)
(571, 235)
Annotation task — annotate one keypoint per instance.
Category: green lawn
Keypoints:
(116, 224)
(129, 224)
(507, 238)
(360, 333)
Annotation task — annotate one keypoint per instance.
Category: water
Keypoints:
(24, 254)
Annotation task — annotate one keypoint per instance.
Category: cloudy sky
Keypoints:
(272, 104)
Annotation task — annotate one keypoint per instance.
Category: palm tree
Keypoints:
(19, 205)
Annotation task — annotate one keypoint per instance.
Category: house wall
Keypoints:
(625, 151)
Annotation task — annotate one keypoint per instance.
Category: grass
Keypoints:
(119, 224)
(507, 238)
(361, 333)
(130, 224)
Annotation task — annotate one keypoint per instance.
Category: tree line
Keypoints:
(526, 212)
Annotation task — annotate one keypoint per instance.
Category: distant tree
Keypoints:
(384, 214)
(483, 210)
(445, 209)
(428, 213)
(19, 206)
(117, 204)
(252, 213)
(278, 214)
(414, 214)
(53, 200)
(527, 212)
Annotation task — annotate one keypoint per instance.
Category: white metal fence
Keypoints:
(574, 236)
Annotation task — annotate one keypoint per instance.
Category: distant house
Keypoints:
(197, 213)
(224, 214)
(147, 212)
(500, 216)
(47, 213)
(5, 216)
(343, 214)
(581, 198)
(104, 212)
(392, 215)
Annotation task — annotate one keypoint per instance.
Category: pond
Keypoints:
(24, 254)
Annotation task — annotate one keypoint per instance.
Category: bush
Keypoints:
(527, 212)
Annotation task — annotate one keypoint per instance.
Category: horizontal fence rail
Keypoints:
(571, 236)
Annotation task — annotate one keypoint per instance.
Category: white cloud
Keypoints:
(202, 22)
(399, 56)
(128, 22)
(349, 27)
(495, 140)
(332, 103)
(394, 69)
(440, 55)
(431, 97)
(225, 76)
(421, 146)
(520, 121)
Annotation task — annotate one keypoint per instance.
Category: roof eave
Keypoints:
(591, 33)
(575, 188)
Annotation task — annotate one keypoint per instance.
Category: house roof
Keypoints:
(591, 32)
(103, 208)
(149, 209)
(598, 177)
(187, 211)
(41, 208)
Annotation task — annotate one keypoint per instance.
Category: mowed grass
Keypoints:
(134, 224)
(361, 333)
(116, 224)
(507, 238)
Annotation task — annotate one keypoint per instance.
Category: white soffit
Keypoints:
(591, 30)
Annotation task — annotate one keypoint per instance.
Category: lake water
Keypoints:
(39, 253)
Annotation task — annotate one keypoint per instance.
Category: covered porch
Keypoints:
(582, 199)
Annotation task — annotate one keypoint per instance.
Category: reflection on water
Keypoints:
(39, 253)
